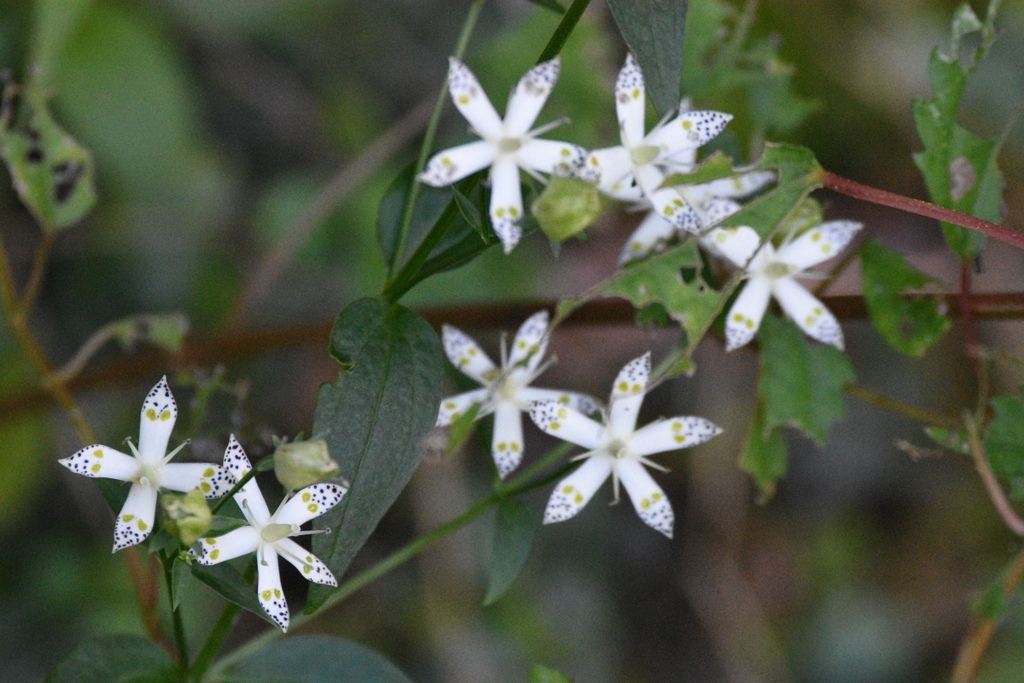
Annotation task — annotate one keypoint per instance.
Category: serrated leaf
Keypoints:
(315, 659)
(764, 455)
(654, 30)
(542, 674)
(232, 586)
(52, 174)
(909, 326)
(714, 167)
(1004, 441)
(514, 527)
(109, 659)
(800, 383)
(384, 402)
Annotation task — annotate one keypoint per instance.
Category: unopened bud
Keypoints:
(566, 206)
(186, 516)
(302, 463)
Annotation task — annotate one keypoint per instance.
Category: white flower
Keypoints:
(618, 449)
(636, 169)
(772, 272)
(269, 535)
(148, 468)
(507, 145)
(506, 392)
(713, 201)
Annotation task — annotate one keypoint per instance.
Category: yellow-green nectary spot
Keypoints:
(215, 554)
(96, 467)
(266, 595)
(312, 507)
(128, 518)
(306, 497)
(151, 415)
(98, 453)
(165, 416)
(142, 525)
(208, 472)
(211, 541)
(306, 569)
(204, 487)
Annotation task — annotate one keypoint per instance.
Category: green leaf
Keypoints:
(52, 173)
(550, 4)
(910, 326)
(53, 22)
(801, 384)
(654, 31)
(1004, 442)
(430, 205)
(764, 455)
(231, 585)
(542, 674)
(110, 659)
(954, 440)
(222, 524)
(714, 167)
(315, 659)
(514, 527)
(383, 404)
(181, 572)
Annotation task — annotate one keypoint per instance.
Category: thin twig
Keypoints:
(995, 490)
(878, 400)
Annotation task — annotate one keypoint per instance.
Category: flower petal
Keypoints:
(529, 96)
(809, 314)
(630, 101)
(673, 208)
(102, 461)
(745, 315)
(818, 244)
(309, 502)
(159, 413)
(628, 394)
(507, 443)
(716, 210)
(586, 404)
(738, 186)
(213, 480)
(551, 156)
(649, 500)
(269, 587)
(454, 407)
(506, 203)
(738, 245)
(608, 166)
(451, 165)
(234, 543)
(652, 233)
(135, 522)
(688, 131)
(467, 356)
(249, 497)
(471, 100)
(308, 564)
(573, 492)
(670, 434)
(530, 342)
(566, 423)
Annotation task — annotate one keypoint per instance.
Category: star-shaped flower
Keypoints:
(773, 272)
(270, 535)
(507, 145)
(618, 449)
(148, 468)
(506, 391)
(713, 201)
(636, 169)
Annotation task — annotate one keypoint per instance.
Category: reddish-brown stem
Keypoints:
(898, 201)
(988, 477)
(967, 317)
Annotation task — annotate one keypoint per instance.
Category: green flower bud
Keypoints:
(186, 516)
(566, 206)
(302, 463)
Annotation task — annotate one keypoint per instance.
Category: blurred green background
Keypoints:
(216, 124)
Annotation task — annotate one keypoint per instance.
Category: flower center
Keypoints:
(272, 533)
(644, 154)
(777, 270)
(509, 145)
(616, 448)
(148, 475)
(509, 389)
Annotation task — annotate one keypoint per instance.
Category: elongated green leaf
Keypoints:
(315, 659)
(653, 31)
(714, 167)
(801, 384)
(53, 22)
(52, 173)
(910, 326)
(550, 4)
(430, 206)
(1004, 442)
(231, 585)
(181, 572)
(764, 455)
(109, 659)
(542, 674)
(514, 527)
(383, 404)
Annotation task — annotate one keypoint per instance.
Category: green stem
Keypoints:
(220, 631)
(428, 141)
(563, 30)
(179, 628)
(878, 400)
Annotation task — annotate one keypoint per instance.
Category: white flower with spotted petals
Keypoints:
(618, 449)
(148, 468)
(713, 201)
(506, 391)
(507, 145)
(773, 272)
(636, 169)
(270, 535)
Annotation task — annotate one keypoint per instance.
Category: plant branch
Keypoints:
(921, 208)
(563, 30)
(179, 628)
(878, 400)
(995, 490)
